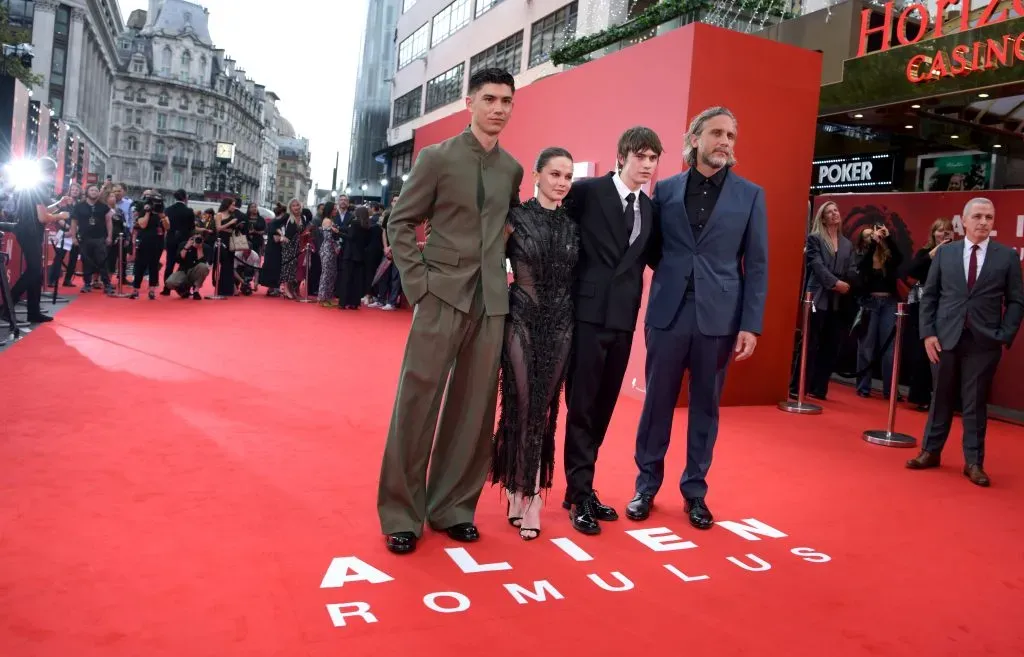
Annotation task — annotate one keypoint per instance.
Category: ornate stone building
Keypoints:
(75, 53)
(293, 172)
(268, 168)
(176, 98)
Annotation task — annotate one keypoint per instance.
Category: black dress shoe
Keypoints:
(464, 532)
(700, 515)
(583, 519)
(401, 542)
(639, 508)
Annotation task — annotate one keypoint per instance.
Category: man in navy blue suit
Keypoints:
(706, 301)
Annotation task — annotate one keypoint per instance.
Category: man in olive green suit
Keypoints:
(459, 286)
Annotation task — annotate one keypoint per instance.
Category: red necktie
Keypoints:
(972, 268)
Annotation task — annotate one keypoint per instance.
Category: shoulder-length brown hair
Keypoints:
(937, 224)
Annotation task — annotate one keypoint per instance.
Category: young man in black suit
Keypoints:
(616, 235)
(971, 309)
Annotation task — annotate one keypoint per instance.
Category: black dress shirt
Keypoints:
(701, 196)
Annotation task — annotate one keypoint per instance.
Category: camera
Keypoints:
(153, 200)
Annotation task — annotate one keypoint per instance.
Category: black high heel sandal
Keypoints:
(512, 520)
(529, 529)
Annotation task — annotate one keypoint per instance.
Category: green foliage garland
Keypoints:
(575, 51)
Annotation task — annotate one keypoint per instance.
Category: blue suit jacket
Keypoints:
(728, 264)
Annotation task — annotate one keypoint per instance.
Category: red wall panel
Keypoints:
(772, 89)
(909, 217)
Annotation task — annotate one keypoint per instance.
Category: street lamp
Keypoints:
(405, 177)
(383, 182)
(363, 187)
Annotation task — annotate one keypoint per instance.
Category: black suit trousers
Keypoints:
(596, 369)
(968, 369)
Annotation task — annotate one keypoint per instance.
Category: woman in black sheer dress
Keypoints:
(543, 246)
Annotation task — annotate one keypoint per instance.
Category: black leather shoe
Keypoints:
(639, 508)
(464, 532)
(582, 517)
(603, 512)
(700, 514)
(401, 542)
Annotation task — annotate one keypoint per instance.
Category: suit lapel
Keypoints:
(612, 206)
(684, 228)
(724, 198)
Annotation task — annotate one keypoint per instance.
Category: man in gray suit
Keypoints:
(706, 301)
(971, 308)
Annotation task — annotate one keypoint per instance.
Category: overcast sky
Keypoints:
(305, 51)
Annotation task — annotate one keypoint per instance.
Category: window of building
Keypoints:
(200, 128)
(158, 175)
(58, 65)
(183, 103)
(161, 148)
(450, 20)
(407, 106)
(181, 123)
(445, 88)
(201, 106)
(138, 117)
(128, 116)
(62, 22)
(20, 13)
(161, 121)
(484, 5)
(177, 178)
(164, 99)
(186, 62)
(413, 46)
(140, 96)
(551, 32)
(506, 54)
(165, 61)
(128, 93)
(132, 143)
(138, 65)
(407, 5)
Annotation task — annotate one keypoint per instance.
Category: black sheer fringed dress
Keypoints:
(543, 249)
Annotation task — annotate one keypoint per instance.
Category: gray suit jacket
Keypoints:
(729, 262)
(824, 269)
(995, 305)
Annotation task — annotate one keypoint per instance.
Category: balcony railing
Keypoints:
(179, 161)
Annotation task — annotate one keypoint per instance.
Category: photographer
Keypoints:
(33, 213)
(182, 222)
(149, 235)
(192, 271)
(878, 262)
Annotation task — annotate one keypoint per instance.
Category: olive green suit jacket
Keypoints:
(466, 193)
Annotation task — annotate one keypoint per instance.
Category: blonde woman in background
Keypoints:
(828, 275)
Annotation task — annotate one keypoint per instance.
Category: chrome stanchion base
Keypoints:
(307, 299)
(216, 297)
(889, 438)
(792, 406)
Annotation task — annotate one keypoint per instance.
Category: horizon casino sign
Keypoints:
(358, 577)
(963, 59)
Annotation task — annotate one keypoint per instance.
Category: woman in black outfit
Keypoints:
(226, 225)
(353, 276)
(543, 246)
(919, 367)
(828, 275)
(374, 252)
(270, 273)
(149, 237)
(878, 268)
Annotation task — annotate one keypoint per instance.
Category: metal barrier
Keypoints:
(800, 406)
(887, 437)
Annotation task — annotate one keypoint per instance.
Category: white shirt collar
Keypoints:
(622, 189)
(982, 246)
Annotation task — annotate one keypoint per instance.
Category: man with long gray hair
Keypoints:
(706, 302)
(971, 309)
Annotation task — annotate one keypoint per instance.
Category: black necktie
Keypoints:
(628, 215)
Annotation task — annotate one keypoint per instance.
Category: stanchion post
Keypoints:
(800, 406)
(120, 269)
(217, 296)
(888, 437)
(308, 249)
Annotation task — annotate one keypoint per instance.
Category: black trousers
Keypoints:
(968, 368)
(147, 260)
(71, 266)
(352, 280)
(919, 368)
(30, 283)
(596, 369)
(824, 339)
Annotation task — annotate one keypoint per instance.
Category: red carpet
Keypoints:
(178, 477)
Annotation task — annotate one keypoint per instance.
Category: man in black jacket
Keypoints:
(616, 236)
(183, 221)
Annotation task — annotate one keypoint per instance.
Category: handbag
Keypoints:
(238, 242)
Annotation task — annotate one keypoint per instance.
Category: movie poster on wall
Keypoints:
(955, 172)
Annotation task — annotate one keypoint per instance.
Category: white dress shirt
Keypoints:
(623, 193)
(982, 248)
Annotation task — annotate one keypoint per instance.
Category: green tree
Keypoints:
(11, 64)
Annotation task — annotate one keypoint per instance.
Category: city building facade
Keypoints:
(183, 115)
(74, 52)
(372, 107)
(294, 176)
(268, 165)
